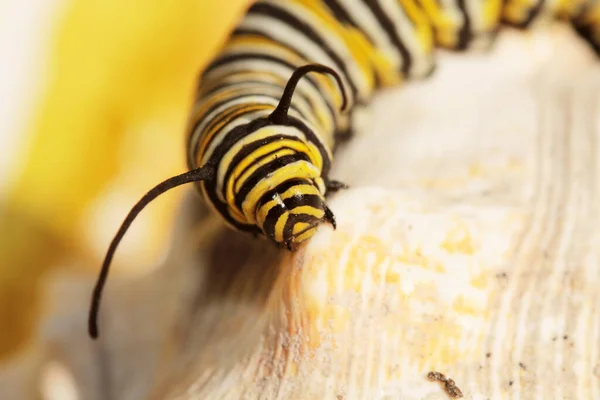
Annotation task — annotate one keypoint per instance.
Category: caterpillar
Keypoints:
(268, 113)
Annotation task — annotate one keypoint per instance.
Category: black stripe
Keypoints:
(227, 113)
(265, 172)
(276, 211)
(266, 57)
(225, 84)
(229, 110)
(340, 13)
(236, 134)
(199, 121)
(228, 58)
(586, 31)
(304, 29)
(249, 148)
(293, 220)
(222, 209)
(193, 151)
(311, 200)
(312, 137)
(259, 159)
(282, 188)
(533, 13)
(271, 220)
(388, 26)
(464, 35)
(218, 118)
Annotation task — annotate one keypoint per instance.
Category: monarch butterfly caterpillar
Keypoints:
(260, 144)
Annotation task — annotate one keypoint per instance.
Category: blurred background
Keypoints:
(93, 107)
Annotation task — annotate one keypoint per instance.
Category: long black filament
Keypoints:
(196, 175)
(279, 115)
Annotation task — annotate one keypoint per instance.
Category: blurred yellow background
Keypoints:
(106, 121)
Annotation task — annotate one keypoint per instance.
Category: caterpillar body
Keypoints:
(262, 128)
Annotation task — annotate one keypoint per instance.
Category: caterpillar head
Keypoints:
(291, 213)
(289, 217)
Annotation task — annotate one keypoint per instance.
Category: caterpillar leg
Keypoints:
(333, 186)
(587, 24)
(360, 119)
(329, 217)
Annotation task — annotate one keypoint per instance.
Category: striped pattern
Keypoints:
(260, 145)
(271, 178)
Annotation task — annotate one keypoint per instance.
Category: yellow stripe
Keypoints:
(262, 133)
(265, 149)
(300, 227)
(280, 226)
(207, 103)
(491, 14)
(263, 211)
(206, 137)
(241, 77)
(315, 155)
(445, 27)
(220, 121)
(241, 42)
(308, 210)
(424, 33)
(383, 67)
(261, 151)
(277, 154)
(300, 190)
(324, 17)
(236, 214)
(298, 170)
(252, 90)
(516, 11)
(305, 236)
(223, 94)
(261, 215)
(325, 84)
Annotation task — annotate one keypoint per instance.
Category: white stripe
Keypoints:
(245, 119)
(332, 40)
(422, 61)
(474, 9)
(300, 103)
(321, 98)
(197, 133)
(295, 40)
(368, 23)
(482, 36)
